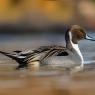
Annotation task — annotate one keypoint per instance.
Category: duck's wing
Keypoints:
(56, 51)
(47, 51)
(43, 49)
(47, 48)
(33, 52)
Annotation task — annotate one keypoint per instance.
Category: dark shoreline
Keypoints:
(29, 29)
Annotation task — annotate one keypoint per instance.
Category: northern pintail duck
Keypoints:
(67, 57)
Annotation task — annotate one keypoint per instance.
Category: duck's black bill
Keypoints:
(89, 38)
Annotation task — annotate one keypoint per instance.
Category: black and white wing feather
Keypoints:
(45, 52)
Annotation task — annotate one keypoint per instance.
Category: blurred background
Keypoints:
(29, 16)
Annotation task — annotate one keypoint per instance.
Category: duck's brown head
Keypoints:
(76, 33)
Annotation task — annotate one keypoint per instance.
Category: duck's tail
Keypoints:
(17, 58)
(9, 55)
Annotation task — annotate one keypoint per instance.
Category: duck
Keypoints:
(68, 56)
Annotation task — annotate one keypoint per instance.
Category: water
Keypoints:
(44, 81)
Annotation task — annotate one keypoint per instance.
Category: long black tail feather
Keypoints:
(8, 55)
(20, 61)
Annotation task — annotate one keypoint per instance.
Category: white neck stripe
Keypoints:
(76, 48)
